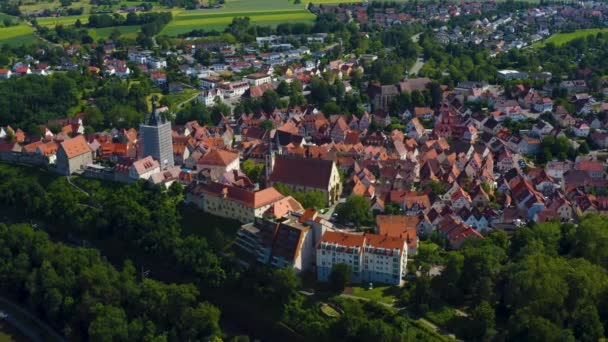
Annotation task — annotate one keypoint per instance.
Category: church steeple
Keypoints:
(154, 119)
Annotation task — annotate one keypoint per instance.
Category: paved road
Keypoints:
(416, 37)
(331, 209)
(27, 323)
(419, 62)
(417, 66)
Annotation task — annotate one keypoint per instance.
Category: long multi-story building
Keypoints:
(371, 257)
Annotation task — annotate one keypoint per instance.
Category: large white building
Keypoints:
(372, 257)
(257, 78)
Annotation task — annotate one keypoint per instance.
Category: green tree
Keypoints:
(109, 325)
(311, 199)
(437, 187)
(283, 89)
(355, 210)
(253, 170)
(200, 322)
(340, 276)
(267, 125)
(485, 320)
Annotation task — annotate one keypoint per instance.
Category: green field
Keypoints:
(104, 33)
(261, 12)
(17, 35)
(562, 38)
(187, 21)
(67, 20)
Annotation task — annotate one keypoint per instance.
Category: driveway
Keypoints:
(331, 209)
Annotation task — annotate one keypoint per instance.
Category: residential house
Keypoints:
(216, 162)
(73, 155)
(257, 79)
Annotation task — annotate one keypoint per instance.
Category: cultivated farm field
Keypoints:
(104, 33)
(261, 12)
(187, 21)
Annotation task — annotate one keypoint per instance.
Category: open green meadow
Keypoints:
(21, 34)
(563, 38)
(104, 33)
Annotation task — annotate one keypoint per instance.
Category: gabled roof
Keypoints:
(145, 165)
(218, 158)
(314, 173)
(75, 147)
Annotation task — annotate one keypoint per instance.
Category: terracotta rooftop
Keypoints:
(75, 147)
(383, 244)
(218, 158)
(145, 165)
(342, 239)
(396, 225)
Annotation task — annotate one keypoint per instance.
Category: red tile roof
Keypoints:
(218, 158)
(385, 245)
(75, 147)
(313, 173)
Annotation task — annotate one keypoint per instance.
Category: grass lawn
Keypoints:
(175, 99)
(21, 34)
(383, 294)
(563, 38)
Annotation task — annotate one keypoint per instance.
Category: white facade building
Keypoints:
(372, 257)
